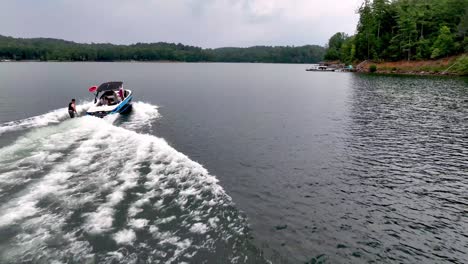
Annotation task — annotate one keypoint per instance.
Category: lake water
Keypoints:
(232, 163)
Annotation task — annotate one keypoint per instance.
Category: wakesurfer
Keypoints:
(72, 108)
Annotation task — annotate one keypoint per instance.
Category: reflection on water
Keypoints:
(340, 168)
(406, 170)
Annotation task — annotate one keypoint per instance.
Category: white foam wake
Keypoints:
(62, 185)
(142, 115)
(52, 117)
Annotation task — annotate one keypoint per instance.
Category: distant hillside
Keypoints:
(47, 49)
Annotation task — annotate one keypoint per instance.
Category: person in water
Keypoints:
(72, 108)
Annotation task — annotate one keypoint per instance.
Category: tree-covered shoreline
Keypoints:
(48, 49)
(388, 30)
(404, 30)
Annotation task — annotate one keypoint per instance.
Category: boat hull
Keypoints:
(123, 107)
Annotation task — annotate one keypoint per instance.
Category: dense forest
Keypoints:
(46, 49)
(404, 29)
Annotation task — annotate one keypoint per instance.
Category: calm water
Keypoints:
(262, 162)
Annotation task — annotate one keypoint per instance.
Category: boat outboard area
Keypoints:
(110, 98)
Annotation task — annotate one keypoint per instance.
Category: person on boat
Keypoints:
(121, 94)
(72, 108)
(102, 101)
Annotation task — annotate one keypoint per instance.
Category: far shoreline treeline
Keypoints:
(49, 49)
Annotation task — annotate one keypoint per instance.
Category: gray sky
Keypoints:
(205, 23)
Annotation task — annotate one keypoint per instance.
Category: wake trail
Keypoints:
(87, 190)
(142, 115)
(52, 117)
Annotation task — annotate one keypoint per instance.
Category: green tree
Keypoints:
(462, 27)
(335, 44)
(443, 44)
(365, 37)
(407, 27)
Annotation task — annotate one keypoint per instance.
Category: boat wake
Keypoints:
(86, 190)
(142, 116)
(52, 117)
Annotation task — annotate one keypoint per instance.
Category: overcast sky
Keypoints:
(205, 23)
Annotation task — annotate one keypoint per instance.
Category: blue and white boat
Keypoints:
(110, 98)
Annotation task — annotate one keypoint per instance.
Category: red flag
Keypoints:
(92, 89)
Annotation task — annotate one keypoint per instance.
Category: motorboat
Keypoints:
(319, 67)
(110, 98)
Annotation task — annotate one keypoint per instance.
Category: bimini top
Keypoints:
(109, 86)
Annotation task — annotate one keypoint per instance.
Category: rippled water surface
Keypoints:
(232, 163)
